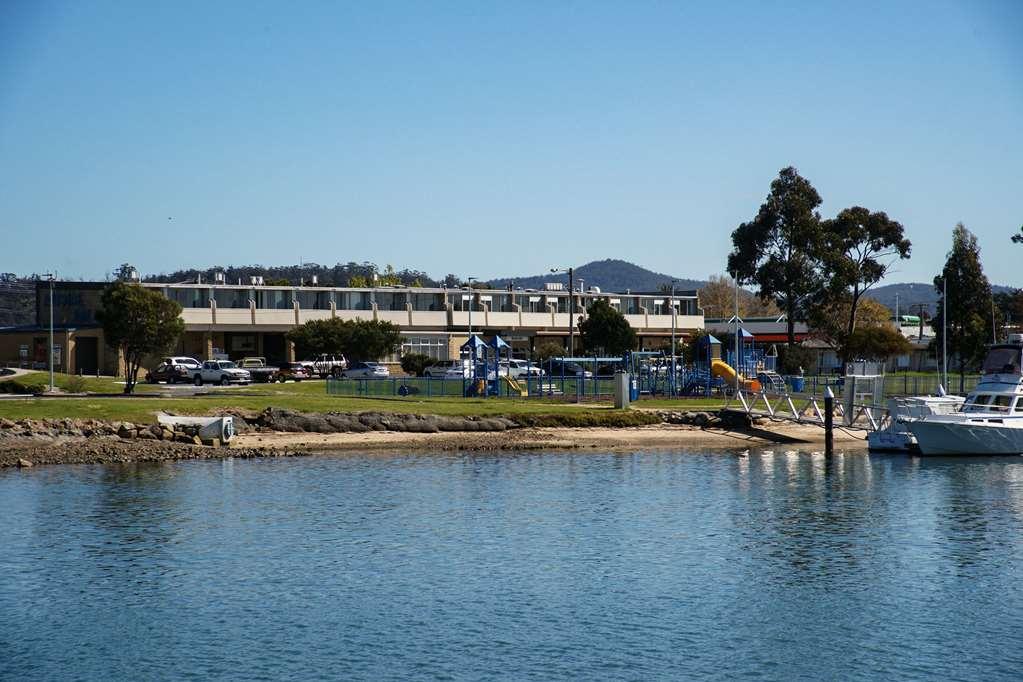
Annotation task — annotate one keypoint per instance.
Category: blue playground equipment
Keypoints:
(698, 380)
(484, 360)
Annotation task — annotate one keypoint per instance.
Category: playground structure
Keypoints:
(651, 373)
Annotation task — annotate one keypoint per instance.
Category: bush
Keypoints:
(608, 418)
(549, 349)
(415, 363)
(75, 384)
(18, 388)
(793, 358)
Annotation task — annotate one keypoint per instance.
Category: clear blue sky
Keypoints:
(496, 139)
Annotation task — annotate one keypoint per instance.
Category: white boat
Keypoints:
(896, 437)
(991, 420)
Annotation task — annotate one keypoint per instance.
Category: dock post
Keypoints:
(829, 412)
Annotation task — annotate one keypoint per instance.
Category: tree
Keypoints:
(549, 349)
(717, 299)
(860, 248)
(140, 322)
(877, 343)
(1010, 306)
(606, 330)
(415, 363)
(358, 340)
(968, 303)
(779, 250)
(829, 321)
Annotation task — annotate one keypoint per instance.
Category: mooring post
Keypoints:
(829, 411)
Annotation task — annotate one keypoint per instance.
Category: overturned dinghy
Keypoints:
(208, 427)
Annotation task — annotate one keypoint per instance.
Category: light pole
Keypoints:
(671, 302)
(571, 308)
(470, 280)
(49, 276)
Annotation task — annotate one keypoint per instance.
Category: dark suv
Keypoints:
(173, 370)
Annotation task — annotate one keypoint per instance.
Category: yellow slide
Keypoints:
(720, 368)
(516, 386)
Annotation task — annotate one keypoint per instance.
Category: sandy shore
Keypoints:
(111, 450)
(658, 436)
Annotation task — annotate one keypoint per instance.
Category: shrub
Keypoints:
(792, 358)
(415, 363)
(75, 384)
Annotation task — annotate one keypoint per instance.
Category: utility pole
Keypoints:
(671, 302)
(571, 307)
(50, 277)
(470, 280)
(737, 364)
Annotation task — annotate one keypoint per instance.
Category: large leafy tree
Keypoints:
(779, 250)
(969, 302)
(877, 343)
(606, 330)
(357, 339)
(717, 299)
(828, 321)
(859, 248)
(139, 322)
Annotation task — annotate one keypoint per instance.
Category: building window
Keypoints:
(232, 298)
(190, 297)
(314, 300)
(354, 300)
(387, 300)
(433, 302)
(435, 347)
(275, 299)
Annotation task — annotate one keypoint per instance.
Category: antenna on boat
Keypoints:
(944, 332)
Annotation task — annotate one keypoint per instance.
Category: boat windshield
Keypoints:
(1002, 361)
(986, 402)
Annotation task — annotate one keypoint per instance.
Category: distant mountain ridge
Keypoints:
(617, 276)
(914, 295)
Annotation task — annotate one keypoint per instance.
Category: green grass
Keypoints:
(310, 396)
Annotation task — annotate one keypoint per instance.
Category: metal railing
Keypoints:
(600, 387)
(807, 409)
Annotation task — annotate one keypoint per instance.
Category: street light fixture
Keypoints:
(49, 276)
(671, 302)
(470, 280)
(571, 307)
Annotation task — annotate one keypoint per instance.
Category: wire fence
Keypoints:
(602, 387)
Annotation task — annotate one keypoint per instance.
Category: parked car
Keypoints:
(520, 368)
(296, 371)
(366, 370)
(174, 369)
(260, 371)
(221, 372)
(326, 364)
(448, 369)
(558, 368)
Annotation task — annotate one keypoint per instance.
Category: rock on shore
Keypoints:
(288, 421)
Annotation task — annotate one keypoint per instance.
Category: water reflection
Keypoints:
(773, 562)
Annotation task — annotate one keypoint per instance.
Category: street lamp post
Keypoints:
(571, 308)
(50, 277)
(470, 280)
(671, 302)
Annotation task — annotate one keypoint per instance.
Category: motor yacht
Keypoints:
(990, 421)
(896, 436)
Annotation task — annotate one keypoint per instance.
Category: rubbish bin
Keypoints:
(633, 389)
(798, 384)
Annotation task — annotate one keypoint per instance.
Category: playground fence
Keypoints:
(428, 387)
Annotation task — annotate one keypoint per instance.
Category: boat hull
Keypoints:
(959, 436)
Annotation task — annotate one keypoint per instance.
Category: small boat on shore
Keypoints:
(990, 421)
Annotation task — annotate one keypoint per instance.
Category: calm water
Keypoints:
(634, 566)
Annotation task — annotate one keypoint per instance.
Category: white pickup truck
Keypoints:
(221, 372)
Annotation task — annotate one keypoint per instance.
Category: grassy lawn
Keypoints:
(308, 396)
